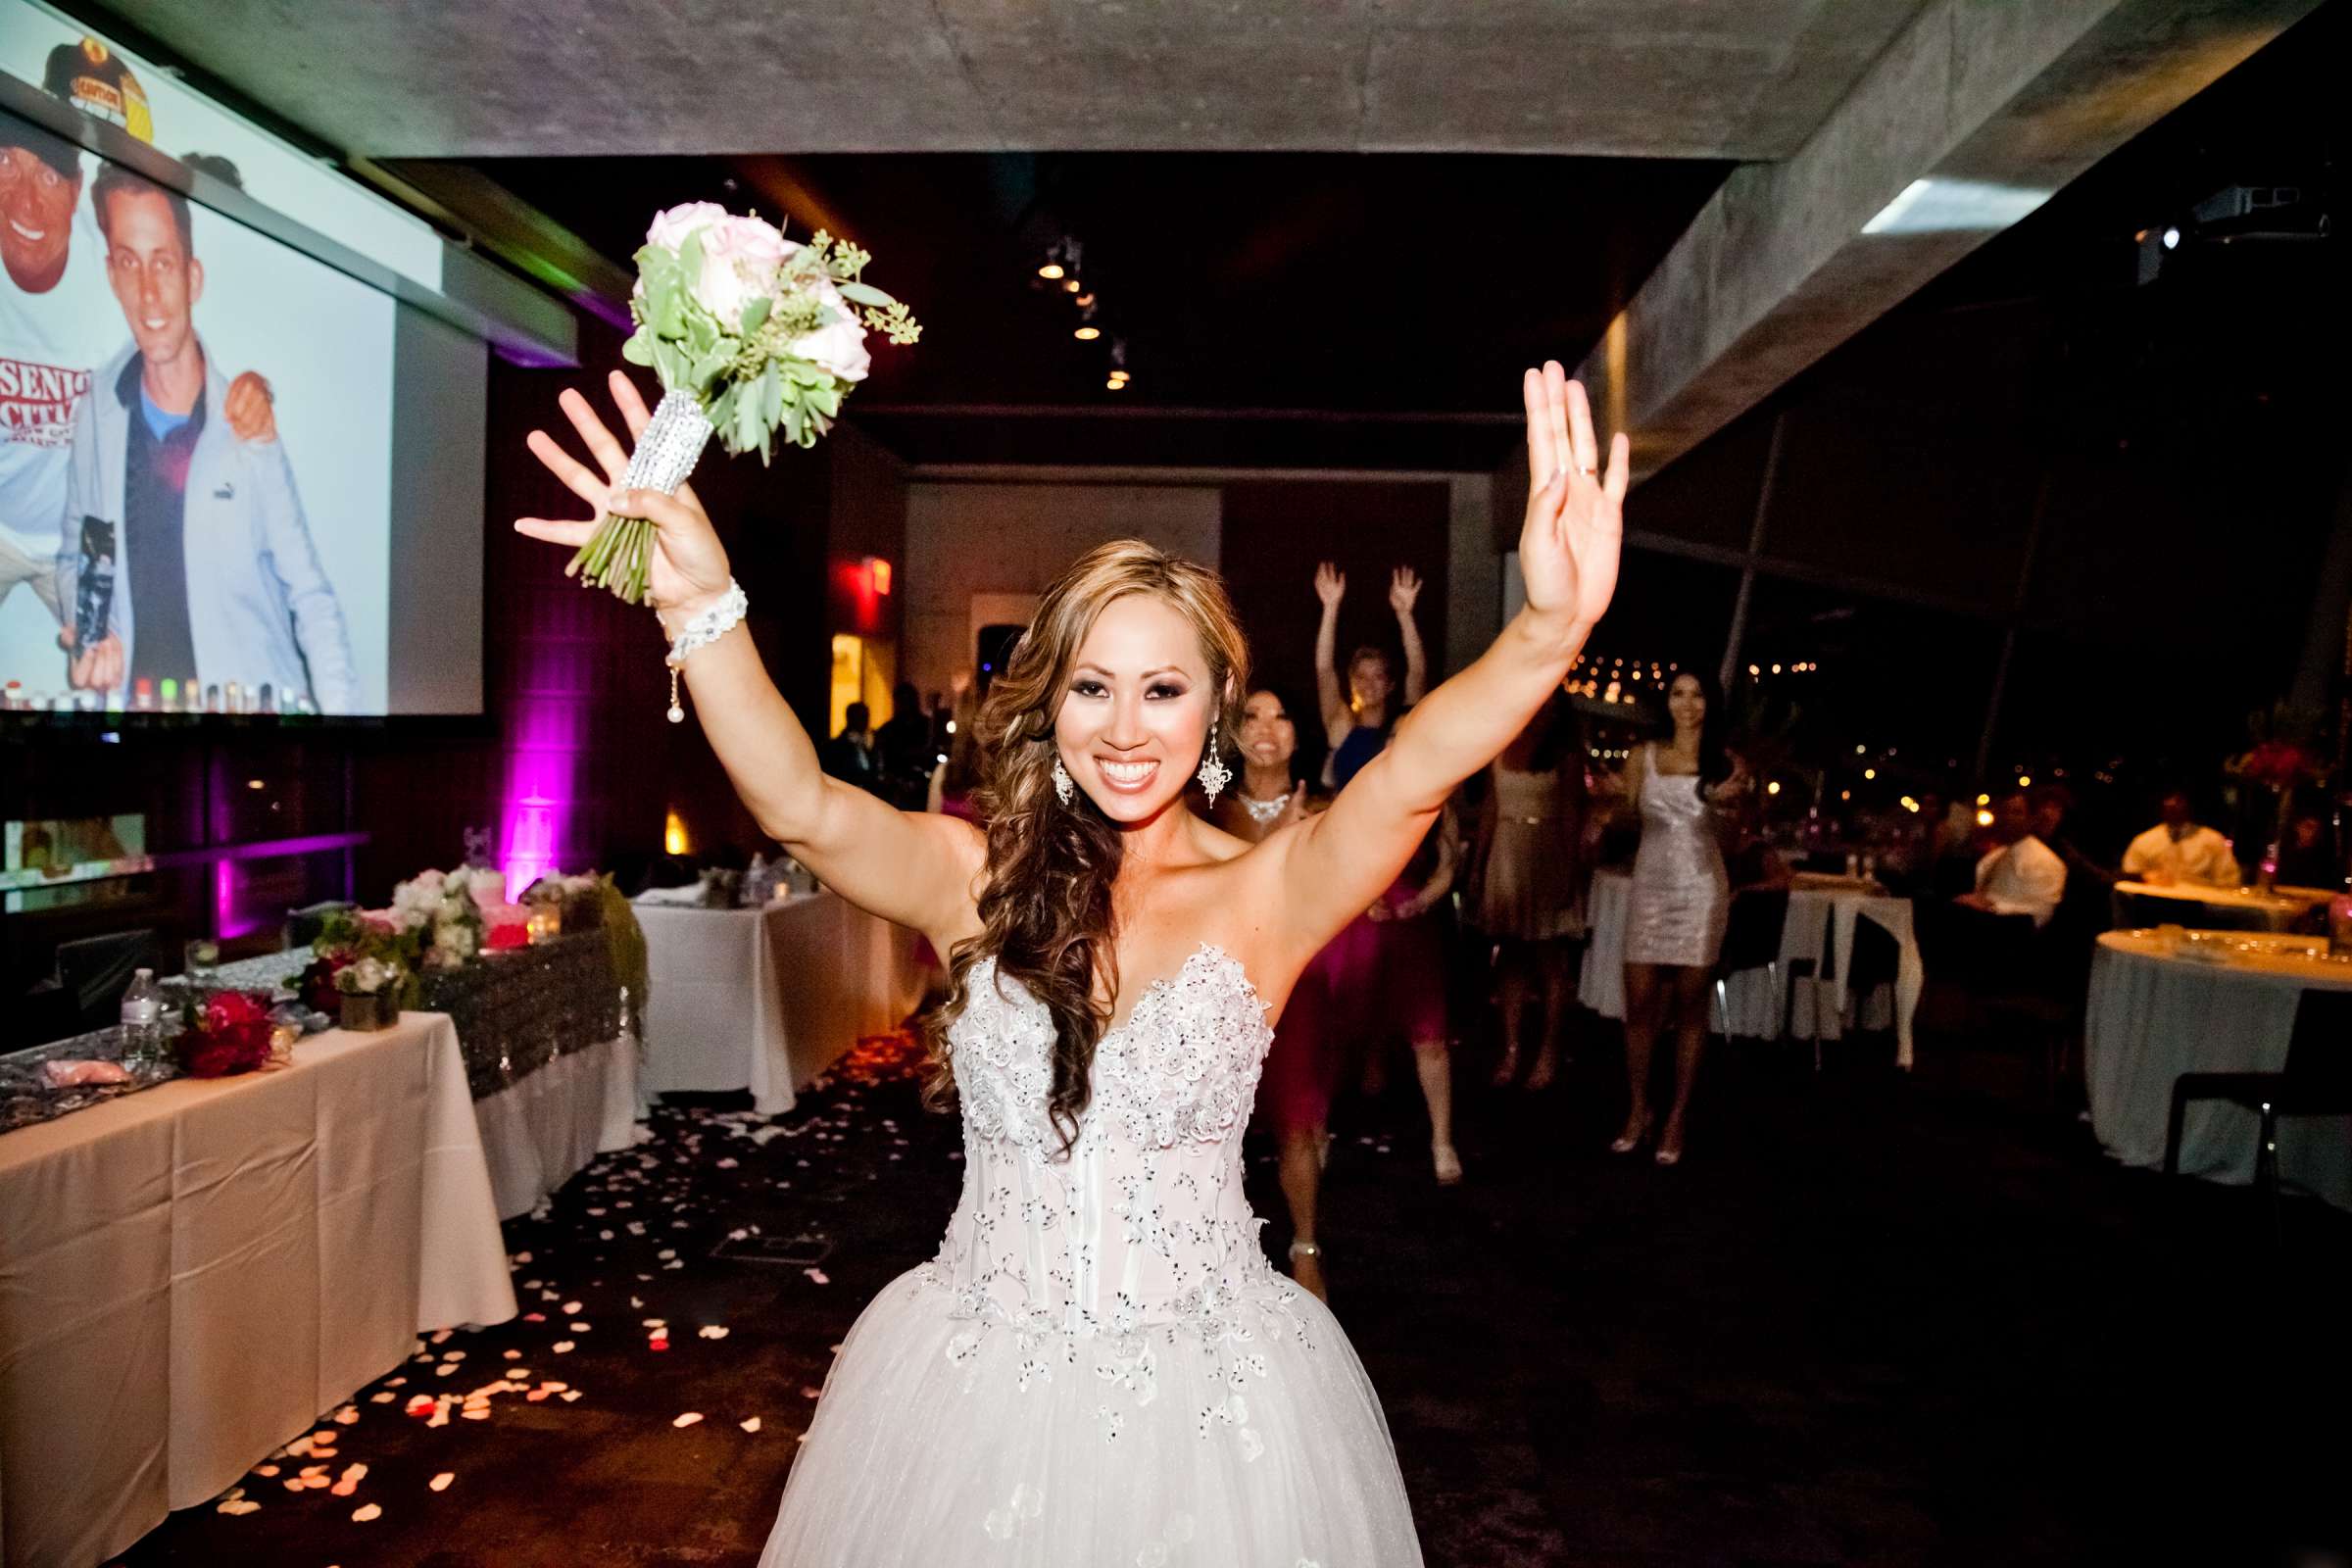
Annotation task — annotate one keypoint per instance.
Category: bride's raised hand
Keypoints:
(1575, 521)
(689, 563)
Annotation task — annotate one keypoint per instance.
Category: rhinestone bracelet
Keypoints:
(699, 633)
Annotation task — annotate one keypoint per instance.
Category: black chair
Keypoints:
(1751, 939)
(95, 971)
(2316, 1081)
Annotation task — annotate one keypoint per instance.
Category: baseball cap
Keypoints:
(46, 145)
(94, 79)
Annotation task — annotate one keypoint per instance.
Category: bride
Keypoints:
(1100, 1367)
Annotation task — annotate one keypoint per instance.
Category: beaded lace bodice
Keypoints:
(1141, 1221)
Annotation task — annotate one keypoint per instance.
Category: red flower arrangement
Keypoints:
(2279, 763)
(228, 1032)
(317, 981)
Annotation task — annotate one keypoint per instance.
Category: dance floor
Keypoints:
(1871, 1319)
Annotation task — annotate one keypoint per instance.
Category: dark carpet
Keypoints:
(1871, 1319)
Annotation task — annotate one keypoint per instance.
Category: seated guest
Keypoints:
(2307, 853)
(2022, 875)
(2179, 850)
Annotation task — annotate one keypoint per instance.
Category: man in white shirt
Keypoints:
(2023, 875)
(2177, 850)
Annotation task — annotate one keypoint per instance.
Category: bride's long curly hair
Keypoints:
(1045, 905)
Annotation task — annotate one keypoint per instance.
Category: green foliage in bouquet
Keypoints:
(746, 373)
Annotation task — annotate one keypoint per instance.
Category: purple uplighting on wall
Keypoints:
(546, 732)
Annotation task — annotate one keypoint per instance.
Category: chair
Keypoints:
(95, 971)
(2316, 1081)
(1752, 939)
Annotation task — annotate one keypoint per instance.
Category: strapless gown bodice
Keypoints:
(1138, 1219)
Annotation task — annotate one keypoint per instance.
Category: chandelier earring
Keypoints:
(1061, 780)
(1213, 775)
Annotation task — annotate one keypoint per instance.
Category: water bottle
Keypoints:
(142, 1019)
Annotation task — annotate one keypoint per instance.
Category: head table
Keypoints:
(2159, 1008)
(190, 1276)
(768, 998)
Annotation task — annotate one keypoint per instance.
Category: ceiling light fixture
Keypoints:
(1086, 334)
(1050, 269)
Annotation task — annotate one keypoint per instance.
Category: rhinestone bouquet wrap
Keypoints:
(751, 335)
(620, 557)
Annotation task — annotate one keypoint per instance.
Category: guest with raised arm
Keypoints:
(1357, 724)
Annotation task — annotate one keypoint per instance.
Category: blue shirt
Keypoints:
(160, 422)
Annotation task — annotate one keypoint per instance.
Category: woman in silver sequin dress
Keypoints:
(1680, 898)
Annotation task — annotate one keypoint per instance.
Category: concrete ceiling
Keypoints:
(1740, 80)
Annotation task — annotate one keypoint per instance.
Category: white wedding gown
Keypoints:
(1100, 1368)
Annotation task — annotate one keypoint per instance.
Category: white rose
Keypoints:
(839, 346)
(670, 229)
(741, 258)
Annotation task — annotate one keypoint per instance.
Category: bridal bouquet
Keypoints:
(751, 333)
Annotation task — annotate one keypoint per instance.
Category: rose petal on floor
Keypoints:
(688, 1419)
(753, 1425)
(440, 1483)
(368, 1514)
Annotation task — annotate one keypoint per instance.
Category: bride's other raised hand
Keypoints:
(689, 565)
(1575, 523)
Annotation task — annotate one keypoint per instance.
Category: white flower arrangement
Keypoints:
(444, 907)
(751, 333)
(368, 977)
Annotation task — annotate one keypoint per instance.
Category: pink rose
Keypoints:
(740, 256)
(670, 229)
(839, 346)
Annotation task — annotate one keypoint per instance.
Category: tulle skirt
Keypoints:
(942, 1441)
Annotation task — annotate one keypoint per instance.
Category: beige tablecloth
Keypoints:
(1821, 924)
(2155, 1015)
(768, 998)
(191, 1276)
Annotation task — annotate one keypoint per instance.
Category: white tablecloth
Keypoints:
(2154, 1017)
(541, 1131)
(191, 1276)
(768, 998)
(1754, 1001)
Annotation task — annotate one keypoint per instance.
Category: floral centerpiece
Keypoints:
(344, 940)
(578, 900)
(444, 909)
(227, 1032)
(2282, 759)
(749, 333)
(370, 988)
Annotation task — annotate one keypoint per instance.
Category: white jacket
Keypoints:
(260, 606)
